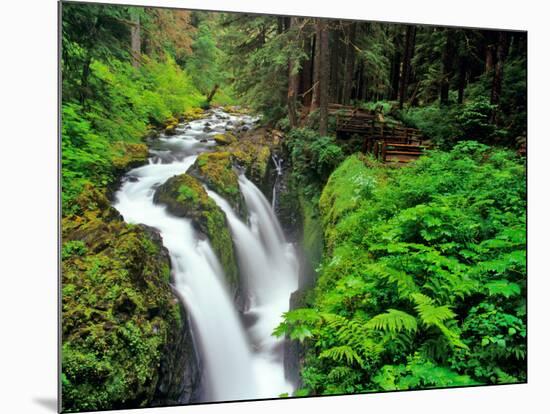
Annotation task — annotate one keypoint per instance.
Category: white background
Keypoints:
(28, 212)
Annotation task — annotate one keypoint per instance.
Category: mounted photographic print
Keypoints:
(266, 207)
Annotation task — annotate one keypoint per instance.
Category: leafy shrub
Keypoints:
(313, 157)
(446, 125)
(437, 123)
(474, 119)
(126, 102)
(422, 283)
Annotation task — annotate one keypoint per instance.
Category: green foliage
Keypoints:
(452, 123)
(203, 64)
(128, 101)
(423, 279)
(313, 158)
(117, 314)
(73, 247)
(474, 119)
(418, 373)
(186, 193)
(256, 58)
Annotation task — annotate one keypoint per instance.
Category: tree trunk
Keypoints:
(447, 62)
(498, 72)
(489, 58)
(324, 76)
(84, 80)
(316, 69)
(395, 75)
(307, 75)
(350, 63)
(334, 52)
(461, 79)
(406, 68)
(212, 93)
(135, 33)
(293, 83)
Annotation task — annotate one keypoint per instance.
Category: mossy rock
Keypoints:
(216, 170)
(184, 196)
(193, 114)
(121, 322)
(236, 110)
(129, 155)
(225, 139)
(170, 126)
(253, 153)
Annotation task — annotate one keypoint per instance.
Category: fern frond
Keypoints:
(394, 321)
(503, 288)
(405, 283)
(430, 314)
(339, 353)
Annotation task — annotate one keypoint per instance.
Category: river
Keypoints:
(239, 361)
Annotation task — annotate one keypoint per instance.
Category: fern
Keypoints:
(338, 353)
(503, 288)
(405, 283)
(435, 316)
(394, 321)
(430, 314)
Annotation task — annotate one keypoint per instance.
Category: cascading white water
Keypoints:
(238, 363)
(270, 268)
(278, 162)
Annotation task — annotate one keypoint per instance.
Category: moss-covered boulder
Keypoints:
(170, 126)
(225, 139)
(184, 196)
(193, 114)
(122, 326)
(215, 169)
(253, 157)
(129, 155)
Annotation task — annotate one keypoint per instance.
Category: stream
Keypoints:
(239, 360)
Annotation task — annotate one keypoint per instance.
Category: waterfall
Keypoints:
(270, 269)
(278, 162)
(238, 363)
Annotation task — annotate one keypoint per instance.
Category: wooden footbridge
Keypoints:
(387, 141)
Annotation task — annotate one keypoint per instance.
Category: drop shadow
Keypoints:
(48, 403)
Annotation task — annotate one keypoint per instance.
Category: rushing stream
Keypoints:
(239, 362)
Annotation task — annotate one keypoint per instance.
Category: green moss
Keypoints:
(185, 196)
(224, 139)
(193, 114)
(215, 169)
(312, 231)
(128, 155)
(253, 154)
(116, 309)
(186, 193)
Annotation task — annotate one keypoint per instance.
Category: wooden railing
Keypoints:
(388, 141)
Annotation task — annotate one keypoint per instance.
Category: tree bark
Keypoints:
(447, 61)
(498, 72)
(406, 68)
(324, 76)
(293, 83)
(489, 58)
(461, 79)
(316, 69)
(212, 93)
(334, 52)
(84, 80)
(135, 33)
(396, 63)
(351, 31)
(307, 75)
